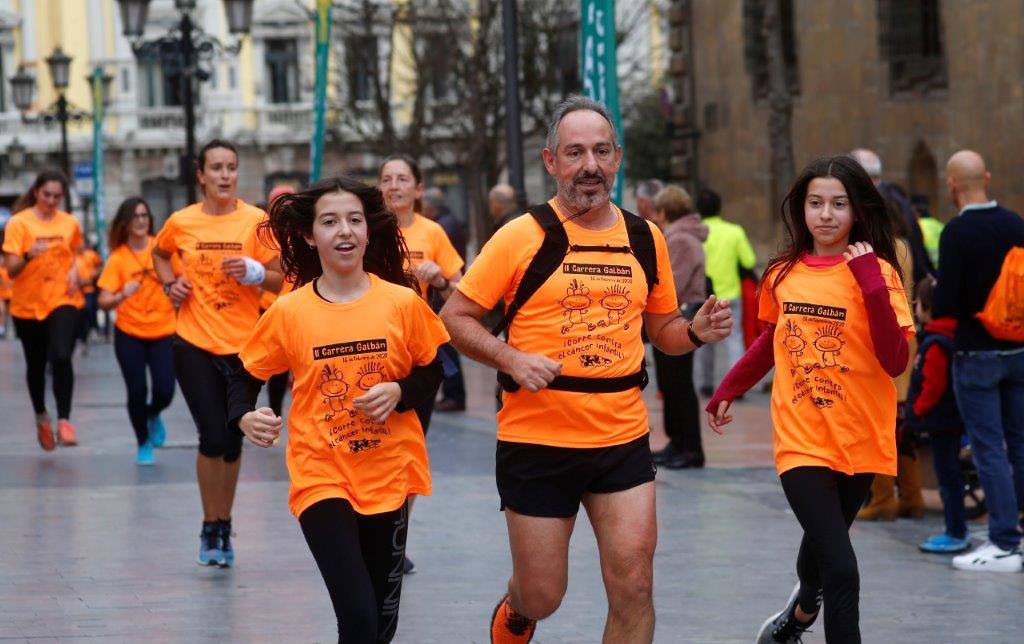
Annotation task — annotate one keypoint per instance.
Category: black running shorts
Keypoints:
(544, 481)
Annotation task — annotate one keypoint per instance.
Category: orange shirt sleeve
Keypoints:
(767, 307)
(264, 354)
(167, 238)
(445, 254)
(16, 238)
(493, 272)
(424, 332)
(111, 279)
(663, 297)
(898, 299)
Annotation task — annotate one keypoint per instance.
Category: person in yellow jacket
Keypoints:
(726, 250)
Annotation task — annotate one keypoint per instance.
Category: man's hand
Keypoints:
(180, 290)
(378, 403)
(713, 321)
(233, 267)
(721, 418)
(262, 426)
(430, 273)
(854, 251)
(532, 371)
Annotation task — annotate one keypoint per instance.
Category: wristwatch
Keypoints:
(697, 342)
(167, 288)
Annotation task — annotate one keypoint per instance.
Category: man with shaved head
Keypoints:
(988, 374)
(501, 201)
(872, 164)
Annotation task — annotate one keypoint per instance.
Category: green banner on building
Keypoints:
(97, 160)
(323, 37)
(600, 77)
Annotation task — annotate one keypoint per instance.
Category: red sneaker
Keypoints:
(66, 433)
(44, 432)
(509, 627)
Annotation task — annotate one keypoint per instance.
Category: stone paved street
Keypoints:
(93, 547)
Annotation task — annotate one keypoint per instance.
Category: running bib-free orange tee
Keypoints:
(220, 313)
(42, 285)
(148, 313)
(833, 405)
(428, 242)
(336, 353)
(587, 316)
(5, 283)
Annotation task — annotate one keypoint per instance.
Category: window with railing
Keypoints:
(281, 60)
(911, 42)
(361, 65)
(755, 46)
(159, 84)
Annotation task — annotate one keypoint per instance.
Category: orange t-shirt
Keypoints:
(220, 313)
(588, 316)
(427, 241)
(5, 283)
(88, 263)
(148, 313)
(42, 285)
(833, 405)
(336, 353)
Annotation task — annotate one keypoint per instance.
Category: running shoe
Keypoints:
(509, 627)
(782, 627)
(157, 431)
(66, 433)
(209, 545)
(44, 432)
(989, 557)
(408, 567)
(944, 544)
(227, 550)
(145, 454)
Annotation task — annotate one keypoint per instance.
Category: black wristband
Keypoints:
(697, 342)
(167, 288)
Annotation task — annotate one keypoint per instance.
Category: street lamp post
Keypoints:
(23, 87)
(184, 49)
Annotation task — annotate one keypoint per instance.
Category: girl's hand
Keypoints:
(38, 248)
(233, 267)
(713, 322)
(854, 251)
(262, 426)
(130, 288)
(721, 418)
(72, 282)
(180, 291)
(430, 273)
(378, 403)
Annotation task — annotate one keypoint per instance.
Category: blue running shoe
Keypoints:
(944, 543)
(227, 551)
(209, 545)
(157, 431)
(145, 454)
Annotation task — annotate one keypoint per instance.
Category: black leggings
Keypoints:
(134, 355)
(203, 378)
(679, 401)
(53, 340)
(360, 557)
(825, 503)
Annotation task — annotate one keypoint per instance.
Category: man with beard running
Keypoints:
(580, 277)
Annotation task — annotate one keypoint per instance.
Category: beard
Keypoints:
(572, 194)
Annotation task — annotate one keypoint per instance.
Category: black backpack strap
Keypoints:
(543, 265)
(585, 385)
(641, 240)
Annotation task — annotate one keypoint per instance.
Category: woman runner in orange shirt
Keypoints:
(362, 346)
(40, 243)
(838, 322)
(145, 322)
(218, 299)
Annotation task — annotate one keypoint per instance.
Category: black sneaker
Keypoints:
(408, 567)
(782, 628)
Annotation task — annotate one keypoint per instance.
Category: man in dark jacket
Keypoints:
(988, 373)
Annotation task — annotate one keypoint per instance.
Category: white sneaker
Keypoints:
(990, 557)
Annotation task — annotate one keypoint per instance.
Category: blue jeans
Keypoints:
(946, 456)
(989, 388)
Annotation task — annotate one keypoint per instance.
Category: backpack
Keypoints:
(1003, 315)
(552, 252)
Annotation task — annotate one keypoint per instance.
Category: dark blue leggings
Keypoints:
(135, 355)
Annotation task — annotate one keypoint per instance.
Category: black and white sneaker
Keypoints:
(782, 627)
